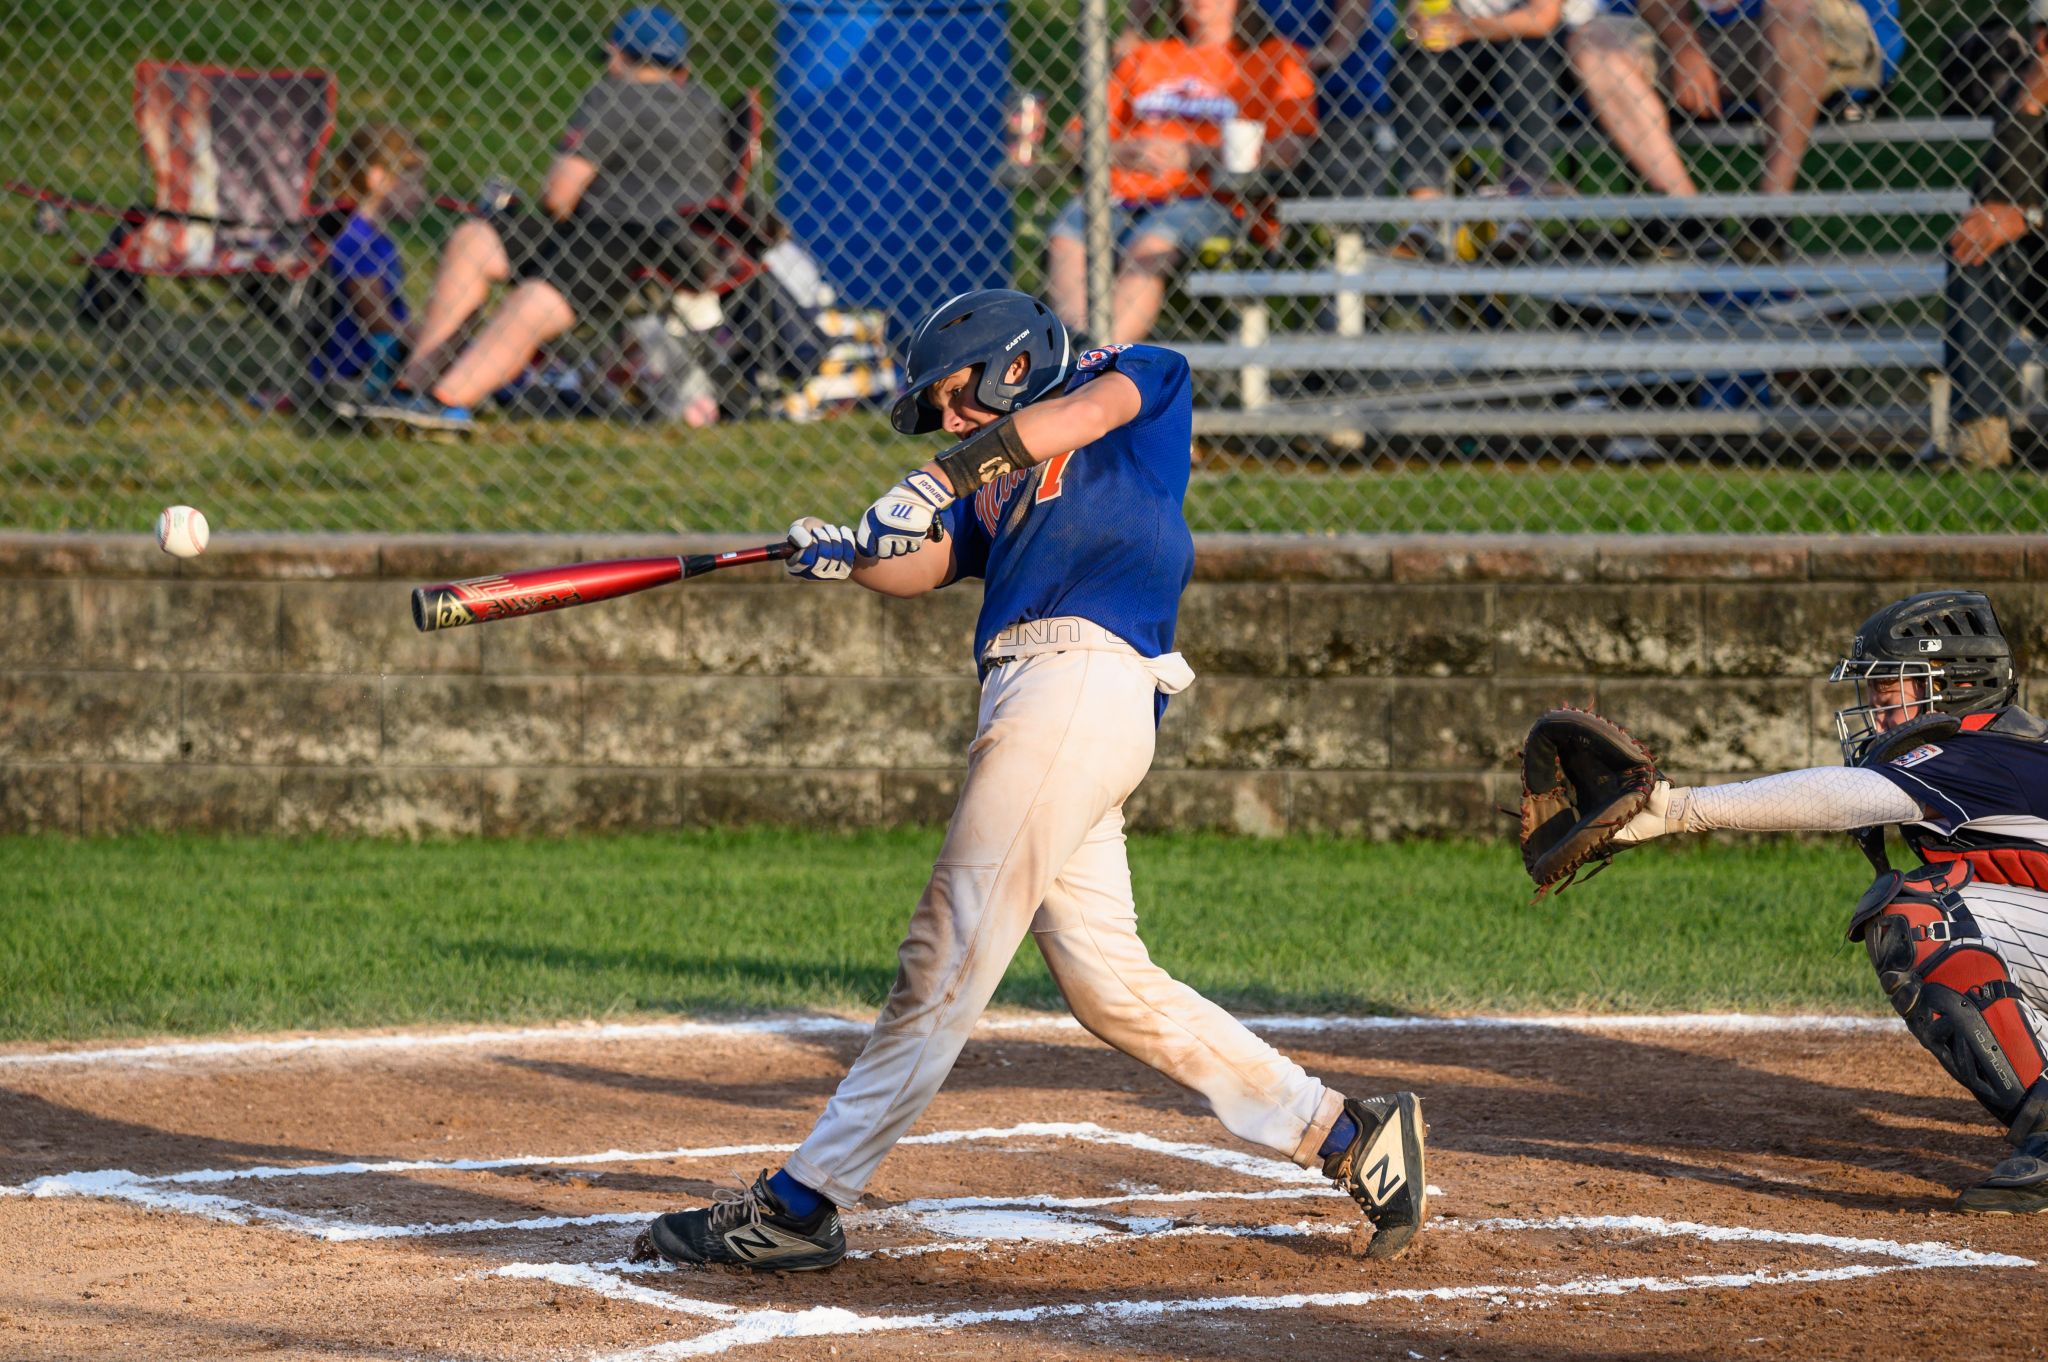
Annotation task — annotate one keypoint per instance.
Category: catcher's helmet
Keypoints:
(989, 327)
(1949, 641)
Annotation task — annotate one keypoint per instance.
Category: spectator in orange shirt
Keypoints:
(1168, 101)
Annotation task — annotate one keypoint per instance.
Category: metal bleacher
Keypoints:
(1651, 322)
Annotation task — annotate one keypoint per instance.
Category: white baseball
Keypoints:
(181, 532)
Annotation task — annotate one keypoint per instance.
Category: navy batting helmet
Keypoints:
(989, 327)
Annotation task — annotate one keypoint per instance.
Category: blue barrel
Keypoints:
(889, 122)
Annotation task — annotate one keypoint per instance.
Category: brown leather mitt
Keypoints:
(1582, 778)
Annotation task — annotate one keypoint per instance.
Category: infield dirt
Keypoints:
(1541, 1140)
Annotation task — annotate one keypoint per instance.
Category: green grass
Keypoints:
(151, 935)
(523, 475)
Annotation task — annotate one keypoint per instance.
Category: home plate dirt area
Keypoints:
(1695, 1187)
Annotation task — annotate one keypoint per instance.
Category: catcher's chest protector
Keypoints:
(1993, 858)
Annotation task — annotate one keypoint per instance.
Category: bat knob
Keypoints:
(437, 607)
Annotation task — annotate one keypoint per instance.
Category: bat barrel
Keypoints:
(478, 600)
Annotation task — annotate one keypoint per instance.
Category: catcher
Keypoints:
(1934, 744)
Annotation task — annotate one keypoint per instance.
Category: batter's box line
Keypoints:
(167, 1191)
(740, 1327)
(166, 1054)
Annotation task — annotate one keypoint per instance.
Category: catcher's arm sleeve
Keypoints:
(1820, 799)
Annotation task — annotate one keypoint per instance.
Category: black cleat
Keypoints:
(747, 1229)
(1382, 1170)
(2018, 1186)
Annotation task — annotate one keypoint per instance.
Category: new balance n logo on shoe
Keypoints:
(1382, 1169)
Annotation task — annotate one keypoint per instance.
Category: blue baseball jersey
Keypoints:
(1986, 800)
(1097, 533)
(362, 251)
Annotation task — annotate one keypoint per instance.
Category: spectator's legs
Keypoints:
(1979, 327)
(1141, 287)
(1066, 281)
(1425, 84)
(1525, 80)
(1621, 85)
(1791, 84)
(473, 260)
(534, 314)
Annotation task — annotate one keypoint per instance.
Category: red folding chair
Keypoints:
(231, 157)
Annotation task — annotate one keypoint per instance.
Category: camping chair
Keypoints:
(763, 346)
(231, 156)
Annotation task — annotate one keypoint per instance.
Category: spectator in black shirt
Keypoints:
(1990, 258)
(644, 141)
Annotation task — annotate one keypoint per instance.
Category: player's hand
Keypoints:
(901, 519)
(824, 552)
(1694, 86)
(1653, 821)
(1984, 231)
(1439, 32)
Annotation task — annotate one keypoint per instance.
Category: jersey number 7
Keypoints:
(1055, 474)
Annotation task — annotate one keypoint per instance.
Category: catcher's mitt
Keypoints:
(1582, 778)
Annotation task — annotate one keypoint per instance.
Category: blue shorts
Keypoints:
(1185, 222)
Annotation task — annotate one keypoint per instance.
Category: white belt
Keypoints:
(1072, 634)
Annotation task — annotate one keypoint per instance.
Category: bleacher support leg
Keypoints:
(1937, 409)
(1350, 259)
(1255, 383)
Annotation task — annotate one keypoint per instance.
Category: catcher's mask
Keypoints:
(1940, 652)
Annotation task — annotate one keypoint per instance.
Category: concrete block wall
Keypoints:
(1373, 686)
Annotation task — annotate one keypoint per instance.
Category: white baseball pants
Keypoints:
(2014, 922)
(1037, 844)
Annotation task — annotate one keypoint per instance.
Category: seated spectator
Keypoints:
(1168, 101)
(377, 175)
(1989, 261)
(643, 141)
(1349, 49)
(1778, 58)
(1461, 52)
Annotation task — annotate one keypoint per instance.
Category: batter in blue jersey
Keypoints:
(1063, 492)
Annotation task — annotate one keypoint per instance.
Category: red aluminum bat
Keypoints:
(479, 600)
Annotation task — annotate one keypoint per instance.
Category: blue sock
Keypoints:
(1341, 1136)
(799, 1200)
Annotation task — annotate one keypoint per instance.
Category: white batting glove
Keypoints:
(824, 552)
(901, 519)
(1665, 813)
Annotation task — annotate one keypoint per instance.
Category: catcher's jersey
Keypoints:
(1986, 798)
(1097, 533)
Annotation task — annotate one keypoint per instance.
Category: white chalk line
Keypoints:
(742, 1328)
(990, 1223)
(166, 1191)
(158, 1055)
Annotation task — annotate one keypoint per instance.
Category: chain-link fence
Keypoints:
(1442, 265)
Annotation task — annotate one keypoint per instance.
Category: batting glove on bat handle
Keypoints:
(822, 552)
(902, 518)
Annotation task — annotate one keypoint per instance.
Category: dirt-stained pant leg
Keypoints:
(1088, 932)
(1062, 739)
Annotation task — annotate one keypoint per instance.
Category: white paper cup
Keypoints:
(1243, 140)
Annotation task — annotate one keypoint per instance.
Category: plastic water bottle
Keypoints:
(1422, 10)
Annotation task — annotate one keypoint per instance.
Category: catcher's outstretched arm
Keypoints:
(1821, 799)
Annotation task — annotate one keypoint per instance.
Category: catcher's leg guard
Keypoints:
(1953, 991)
